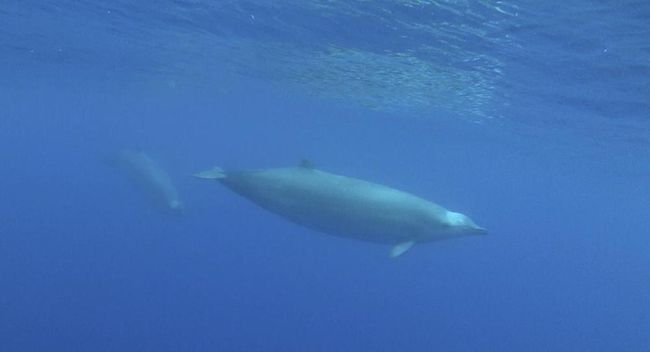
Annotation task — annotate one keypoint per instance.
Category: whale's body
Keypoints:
(154, 181)
(346, 206)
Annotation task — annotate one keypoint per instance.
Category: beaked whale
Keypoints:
(346, 206)
(150, 177)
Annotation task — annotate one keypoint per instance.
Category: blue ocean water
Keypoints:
(531, 117)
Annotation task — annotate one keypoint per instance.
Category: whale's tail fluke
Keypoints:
(215, 173)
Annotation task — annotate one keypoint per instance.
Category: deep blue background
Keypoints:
(556, 168)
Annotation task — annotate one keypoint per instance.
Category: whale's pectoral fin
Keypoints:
(401, 248)
(213, 174)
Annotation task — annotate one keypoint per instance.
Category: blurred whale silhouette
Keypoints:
(150, 177)
(346, 206)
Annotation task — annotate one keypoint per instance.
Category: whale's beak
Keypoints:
(480, 230)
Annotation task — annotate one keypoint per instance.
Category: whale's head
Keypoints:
(176, 206)
(461, 224)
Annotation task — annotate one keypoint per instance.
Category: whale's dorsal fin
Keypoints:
(401, 248)
(307, 164)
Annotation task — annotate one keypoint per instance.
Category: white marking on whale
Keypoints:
(151, 178)
(346, 206)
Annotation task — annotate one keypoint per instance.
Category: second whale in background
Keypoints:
(151, 178)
